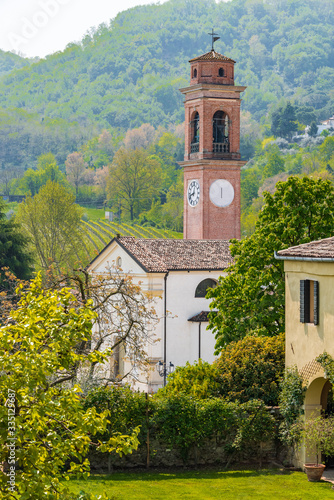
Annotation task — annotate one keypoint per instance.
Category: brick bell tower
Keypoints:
(212, 149)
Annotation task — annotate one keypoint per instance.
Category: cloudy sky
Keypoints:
(41, 27)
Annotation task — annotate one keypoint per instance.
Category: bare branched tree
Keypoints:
(122, 331)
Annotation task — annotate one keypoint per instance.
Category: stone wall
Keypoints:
(212, 453)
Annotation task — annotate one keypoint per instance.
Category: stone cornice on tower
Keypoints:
(210, 88)
(212, 164)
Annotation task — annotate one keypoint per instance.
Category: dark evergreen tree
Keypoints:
(14, 253)
(283, 121)
(313, 130)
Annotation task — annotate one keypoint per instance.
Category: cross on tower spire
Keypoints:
(214, 37)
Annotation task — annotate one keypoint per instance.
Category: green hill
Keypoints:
(129, 72)
(10, 62)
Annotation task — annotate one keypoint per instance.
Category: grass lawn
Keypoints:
(94, 213)
(207, 485)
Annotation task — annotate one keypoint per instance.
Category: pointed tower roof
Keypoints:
(212, 56)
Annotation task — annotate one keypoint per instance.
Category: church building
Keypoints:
(179, 272)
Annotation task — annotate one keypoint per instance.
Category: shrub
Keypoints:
(199, 380)
(252, 368)
(126, 408)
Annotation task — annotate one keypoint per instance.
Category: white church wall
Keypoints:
(182, 335)
(182, 341)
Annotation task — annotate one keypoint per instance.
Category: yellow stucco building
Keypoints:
(309, 318)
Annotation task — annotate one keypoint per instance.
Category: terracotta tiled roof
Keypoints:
(321, 249)
(212, 56)
(162, 255)
(200, 317)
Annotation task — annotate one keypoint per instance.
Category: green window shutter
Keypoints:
(316, 302)
(304, 301)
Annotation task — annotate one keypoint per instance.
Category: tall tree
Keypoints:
(47, 170)
(134, 179)
(283, 121)
(274, 165)
(52, 220)
(327, 148)
(75, 170)
(124, 322)
(251, 297)
(14, 248)
(141, 137)
(7, 179)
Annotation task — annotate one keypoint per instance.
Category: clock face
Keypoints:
(193, 193)
(221, 193)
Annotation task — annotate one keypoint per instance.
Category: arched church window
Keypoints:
(203, 287)
(221, 72)
(195, 73)
(220, 132)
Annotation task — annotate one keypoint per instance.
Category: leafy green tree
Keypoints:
(134, 180)
(15, 254)
(250, 183)
(170, 150)
(283, 121)
(250, 216)
(49, 431)
(8, 180)
(47, 170)
(99, 151)
(305, 114)
(297, 165)
(327, 149)
(274, 165)
(251, 296)
(52, 220)
(313, 131)
(172, 210)
(31, 182)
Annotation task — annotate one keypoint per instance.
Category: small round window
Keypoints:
(203, 287)
(119, 261)
(221, 72)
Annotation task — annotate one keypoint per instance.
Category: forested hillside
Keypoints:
(128, 72)
(10, 61)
